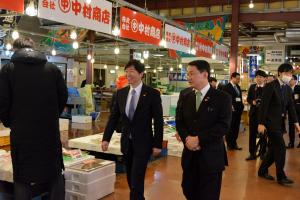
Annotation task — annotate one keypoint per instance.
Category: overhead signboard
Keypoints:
(178, 39)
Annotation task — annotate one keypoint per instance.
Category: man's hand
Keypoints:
(192, 143)
(156, 152)
(254, 102)
(105, 145)
(177, 137)
(261, 129)
(297, 127)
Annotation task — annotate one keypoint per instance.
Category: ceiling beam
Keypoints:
(274, 16)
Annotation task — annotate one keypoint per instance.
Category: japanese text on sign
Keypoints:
(177, 39)
(95, 16)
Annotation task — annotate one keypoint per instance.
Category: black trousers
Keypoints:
(201, 186)
(275, 153)
(55, 189)
(253, 125)
(291, 132)
(233, 134)
(136, 166)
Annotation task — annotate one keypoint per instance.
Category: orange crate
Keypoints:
(4, 141)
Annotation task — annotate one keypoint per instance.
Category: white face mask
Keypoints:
(286, 79)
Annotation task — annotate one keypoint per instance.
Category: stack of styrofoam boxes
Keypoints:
(81, 119)
(93, 143)
(63, 124)
(90, 185)
(175, 147)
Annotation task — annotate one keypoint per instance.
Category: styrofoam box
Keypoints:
(63, 124)
(96, 189)
(82, 119)
(82, 126)
(88, 177)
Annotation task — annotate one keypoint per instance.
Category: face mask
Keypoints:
(286, 79)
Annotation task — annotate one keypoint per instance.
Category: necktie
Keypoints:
(237, 90)
(198, 99)
(132, 105)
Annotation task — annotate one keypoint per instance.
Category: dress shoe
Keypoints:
(298, 146)
(290, 146)
(251, 157)
(266, 176)
(285, 181)
(238, 148)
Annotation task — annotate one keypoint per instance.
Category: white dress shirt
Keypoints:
(138, 91)
(204, 90)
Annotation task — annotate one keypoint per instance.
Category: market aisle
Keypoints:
(240, 180)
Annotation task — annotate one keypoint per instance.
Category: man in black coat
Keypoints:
(203, 117)
(136, 105)
(254, 100)
(276, 101)
(234, 90)
(296, 100)
(32, 96)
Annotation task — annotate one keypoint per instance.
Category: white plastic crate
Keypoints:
(81, 119)
(63, 124)
(82, 126)
(93, 191)
(95, 187)
(89, 177)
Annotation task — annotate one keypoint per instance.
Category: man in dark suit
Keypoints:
(296, 100)
(33, 93)
(234, 90)
(213, 82)
(203, 117)
(254, 100)
(276, 100)
(136, 105)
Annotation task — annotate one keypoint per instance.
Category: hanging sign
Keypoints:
(139, 27)
(221, 53)
(275, 55)
(178, 39)
(204, 48)
(95, 16)
(12, 5)
(253, 67)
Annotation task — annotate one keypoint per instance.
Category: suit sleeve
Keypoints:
(112, 121)
(62, 92)
(250, 96)
(180, 125)
(265, 102)
(5, 96)
(291, 107)
(222, 125)
(157, 113)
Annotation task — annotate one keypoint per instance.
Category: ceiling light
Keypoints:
(93, 61)
(88, 1)
(193, 51)
(89, 57)
(105, 66)
(148, 67)
(117, 50)
(73, 35)
(212, 71)
(213, 56)
(180, 66)
(157, 55)
(8, 46)
(31, 10)
(171, 69)
(160, 68)
(142, 60)
(117, 67)
(53, 52)
(15, 35)
(145, 71)
(116, 31)
(163, 43)
(75, 45)
(251, 4)
(154, 71)
(112, 71)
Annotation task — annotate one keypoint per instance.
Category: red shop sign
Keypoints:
(204, 48)
(139, 27)
(13, 5)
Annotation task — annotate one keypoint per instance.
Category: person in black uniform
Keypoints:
(276, 100)
(203, 117)
(234, 90)
(254, 100)
(134, 108)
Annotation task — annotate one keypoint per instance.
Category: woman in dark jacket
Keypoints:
(32, 96)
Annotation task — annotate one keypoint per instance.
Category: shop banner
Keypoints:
(178, 39)
(204, 48)
(274, 55)
(253, 66)
(139, 27)
(221, 53)
(12, 5)
(95, 16)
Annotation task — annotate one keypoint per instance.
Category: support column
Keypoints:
(234, 36)
(89, 65)
(131, 54)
